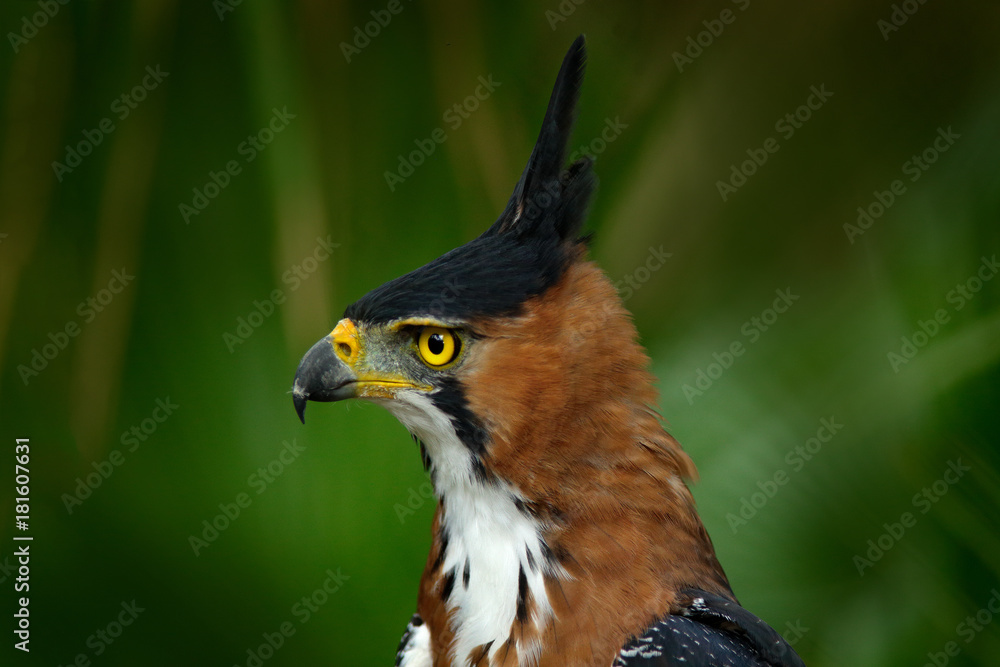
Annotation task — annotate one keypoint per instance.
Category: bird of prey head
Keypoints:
(564, 528)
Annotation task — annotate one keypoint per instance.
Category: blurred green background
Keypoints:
(174, 332)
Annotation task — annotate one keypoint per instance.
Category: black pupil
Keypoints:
(435, 344)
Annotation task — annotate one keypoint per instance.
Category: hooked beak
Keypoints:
(322, 376)
(336, 368)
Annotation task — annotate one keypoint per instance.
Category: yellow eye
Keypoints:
(437, 346)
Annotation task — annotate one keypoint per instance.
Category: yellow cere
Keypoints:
(345, 341)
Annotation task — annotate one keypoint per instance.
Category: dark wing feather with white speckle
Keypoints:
(707, 630)
(414, 647)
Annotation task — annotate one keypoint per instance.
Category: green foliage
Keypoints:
(233, 159)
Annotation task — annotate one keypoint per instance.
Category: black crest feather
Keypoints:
(529, 246)
(543, 184)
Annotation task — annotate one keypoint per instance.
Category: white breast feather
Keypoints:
(485, 527)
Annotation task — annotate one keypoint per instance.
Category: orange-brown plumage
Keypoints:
(573, 428)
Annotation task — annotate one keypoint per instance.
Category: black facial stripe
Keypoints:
(450, 399)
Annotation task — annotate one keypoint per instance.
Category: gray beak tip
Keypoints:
(321, 376)
(300, 400)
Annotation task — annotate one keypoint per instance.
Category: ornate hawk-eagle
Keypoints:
(564, 532)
